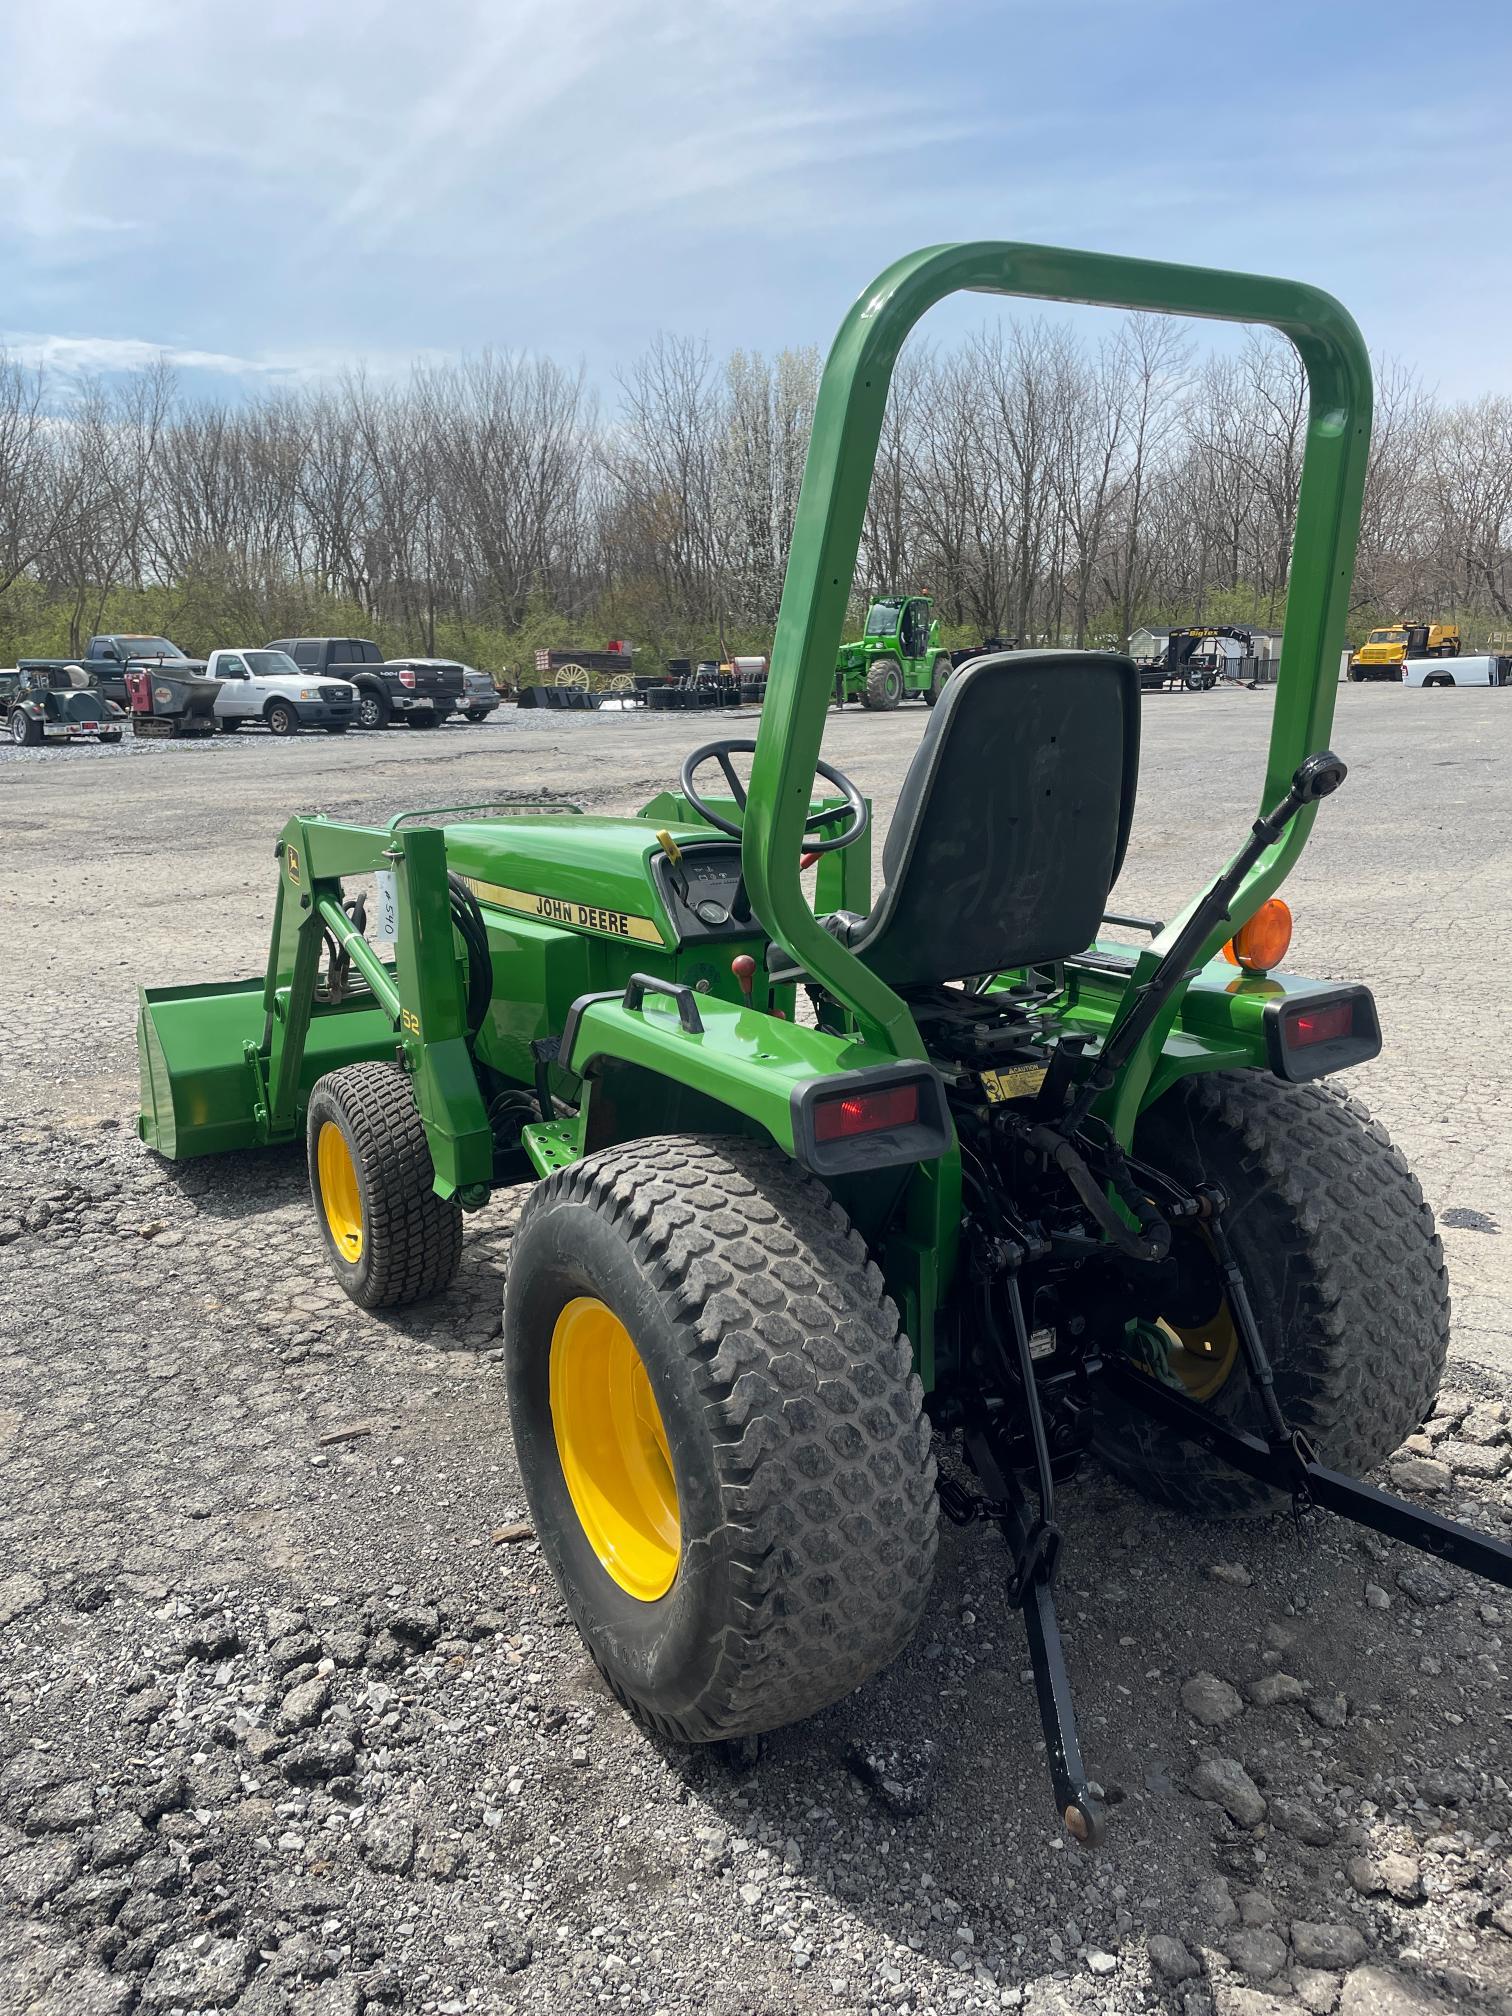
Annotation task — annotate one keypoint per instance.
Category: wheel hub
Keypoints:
(340, 1196)
(613, 1449)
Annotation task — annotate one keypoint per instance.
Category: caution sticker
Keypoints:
(1020, 1081)
(557, 910)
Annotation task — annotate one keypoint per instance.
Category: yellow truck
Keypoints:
(1382, 654)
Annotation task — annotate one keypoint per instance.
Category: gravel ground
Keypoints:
(291, 1718)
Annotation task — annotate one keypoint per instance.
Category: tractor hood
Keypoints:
(584, 873)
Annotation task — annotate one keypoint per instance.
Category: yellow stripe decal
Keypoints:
(555, 910)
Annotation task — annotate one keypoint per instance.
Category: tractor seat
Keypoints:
(1012, 823)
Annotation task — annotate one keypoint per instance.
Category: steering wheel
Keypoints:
(855, 806)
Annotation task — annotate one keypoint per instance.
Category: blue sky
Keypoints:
(275, 191)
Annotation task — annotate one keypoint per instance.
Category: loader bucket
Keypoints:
(201, 1092)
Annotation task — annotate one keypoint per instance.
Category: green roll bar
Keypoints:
(827, 536)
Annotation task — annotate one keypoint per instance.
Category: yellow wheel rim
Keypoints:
(340, 1198)
(613, 1449)
(1200, 1358)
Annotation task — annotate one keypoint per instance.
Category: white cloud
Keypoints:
(277, 190)
(69, 358)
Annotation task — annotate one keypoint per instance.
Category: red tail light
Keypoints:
(866, 1113)
(1324, 1024)
(407, 678)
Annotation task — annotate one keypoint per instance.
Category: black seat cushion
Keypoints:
(1012, 822)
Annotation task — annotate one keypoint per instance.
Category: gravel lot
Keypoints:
(291, 1718)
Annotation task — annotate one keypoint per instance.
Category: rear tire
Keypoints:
(26, 732)
(1343, 1267)
(939, 673)
(795, 1452)
(884, 685)
(390, 1238)
(336, 727)
(422, 720)
(228, 727)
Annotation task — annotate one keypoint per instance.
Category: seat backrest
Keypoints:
(1013, 819)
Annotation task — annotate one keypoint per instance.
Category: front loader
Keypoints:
(810, 1160)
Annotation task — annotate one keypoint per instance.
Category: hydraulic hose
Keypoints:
(468, 918)
(1153, 1239)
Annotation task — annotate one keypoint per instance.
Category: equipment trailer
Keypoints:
(1066, 1190)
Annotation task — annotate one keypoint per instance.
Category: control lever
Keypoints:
(1317, 776)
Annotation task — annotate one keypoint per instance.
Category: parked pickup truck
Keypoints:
(422, 691)
(267, 687)
(480, 696)
(110, 657)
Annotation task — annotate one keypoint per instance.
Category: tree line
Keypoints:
(1041, 486)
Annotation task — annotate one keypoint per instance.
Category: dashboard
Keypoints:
(702, 893)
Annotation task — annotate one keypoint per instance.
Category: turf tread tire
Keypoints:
(807, 1398)
(412, 1239)
(1353, 1303)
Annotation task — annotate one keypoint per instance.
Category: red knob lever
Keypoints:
(807, 862)
(743, 966)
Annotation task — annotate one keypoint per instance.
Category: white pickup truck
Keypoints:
(268, 687)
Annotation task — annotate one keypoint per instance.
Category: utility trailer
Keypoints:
(57, 700)
(611, 670)
(1037, 1177)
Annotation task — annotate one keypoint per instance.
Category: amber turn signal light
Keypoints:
(1263, 942)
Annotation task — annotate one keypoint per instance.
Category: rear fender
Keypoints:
(751, 1063)
(1226, 1020)
(747, 1073)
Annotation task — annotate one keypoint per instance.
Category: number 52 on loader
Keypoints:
(1030, 1176)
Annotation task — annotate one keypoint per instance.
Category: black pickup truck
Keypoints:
(420, 691)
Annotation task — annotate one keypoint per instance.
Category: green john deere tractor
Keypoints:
(1068, 1180)
(897, 653)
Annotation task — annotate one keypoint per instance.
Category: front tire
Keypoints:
(939, 673)
(281, 720)
(748, 1532)
(1344, 1270)
(884, 685)
(26, 732)
(389, 1237)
